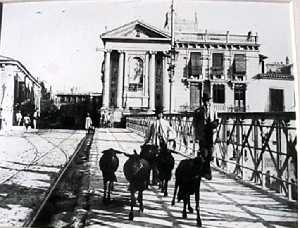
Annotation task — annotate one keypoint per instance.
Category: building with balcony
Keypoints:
(19, 91)
(136, 63)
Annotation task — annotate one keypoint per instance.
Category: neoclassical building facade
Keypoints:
(136, 62)
(19, 91)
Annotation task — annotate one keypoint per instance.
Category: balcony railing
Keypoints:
(259, 148)
(216, 37)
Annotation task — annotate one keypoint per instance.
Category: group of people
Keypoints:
(105, 119)
(27, 120)
(161, 133)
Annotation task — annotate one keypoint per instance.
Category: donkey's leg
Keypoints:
(185, 201)
(175, 191)
(104, 188)
(140, 199)
(189, 205)
(161, 185)
(197, 198)
(132, 200)
(165, 187)
(154, 176)
(109, 190)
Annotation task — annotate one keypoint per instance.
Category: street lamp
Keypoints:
(171, 68)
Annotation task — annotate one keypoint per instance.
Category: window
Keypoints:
(195, 64)
(219, 94)
(217, 61)
(239, 63)
(240, 98)
(195, 93)
(135, 82)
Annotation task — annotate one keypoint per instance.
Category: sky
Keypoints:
(59, 41)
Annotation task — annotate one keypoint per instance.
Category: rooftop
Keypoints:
(274, 76)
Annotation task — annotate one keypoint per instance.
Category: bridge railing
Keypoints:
(259, 148)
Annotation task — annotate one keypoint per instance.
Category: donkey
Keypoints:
(109, 163)
(136, 171)
(149, 153)
(165, 164)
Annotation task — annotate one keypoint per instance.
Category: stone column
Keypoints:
(166, 84)
(146, 73)
(106, 82)
(152, 82)
(125, 80)
(120, 80)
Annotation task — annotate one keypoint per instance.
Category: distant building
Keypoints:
(136, 76)
(19, 91)
(73, 108)
(75, 98)
(274, 90)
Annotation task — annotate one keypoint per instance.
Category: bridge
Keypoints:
(254, 174)
(224, 201)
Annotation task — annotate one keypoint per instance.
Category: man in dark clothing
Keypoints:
(203, 131)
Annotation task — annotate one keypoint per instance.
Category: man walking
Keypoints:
(203, 130)
(161, 132)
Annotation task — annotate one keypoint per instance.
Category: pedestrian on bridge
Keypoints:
(203, 130)
(88, 122)
(161, 132)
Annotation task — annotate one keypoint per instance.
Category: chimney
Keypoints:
(249, 36)
(287, 61)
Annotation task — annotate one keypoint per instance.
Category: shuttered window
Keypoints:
(217, 61)
(240, 98)
(219, 94)
(195, 93)
(239, 65)
(195, 64)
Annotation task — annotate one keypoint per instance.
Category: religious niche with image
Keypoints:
(135, 82)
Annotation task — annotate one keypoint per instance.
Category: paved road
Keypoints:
(224, 202)
(29, 163)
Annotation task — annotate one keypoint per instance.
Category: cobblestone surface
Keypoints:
(29, 164)
(224, 202)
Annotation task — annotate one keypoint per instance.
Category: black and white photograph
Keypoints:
(148, 113)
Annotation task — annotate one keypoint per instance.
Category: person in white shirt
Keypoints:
(160, 130)
(35, 117)
(88, 122)
(27, 121)
(19, 118)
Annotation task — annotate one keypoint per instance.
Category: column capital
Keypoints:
(108, 50)
(121, 51)
(152, 52)
(166, 53)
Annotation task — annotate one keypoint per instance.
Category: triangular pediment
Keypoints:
(136, 29)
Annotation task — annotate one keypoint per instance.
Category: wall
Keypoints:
(7, 95)
(258, 94)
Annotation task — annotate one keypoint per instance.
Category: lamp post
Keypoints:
(171, 68)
